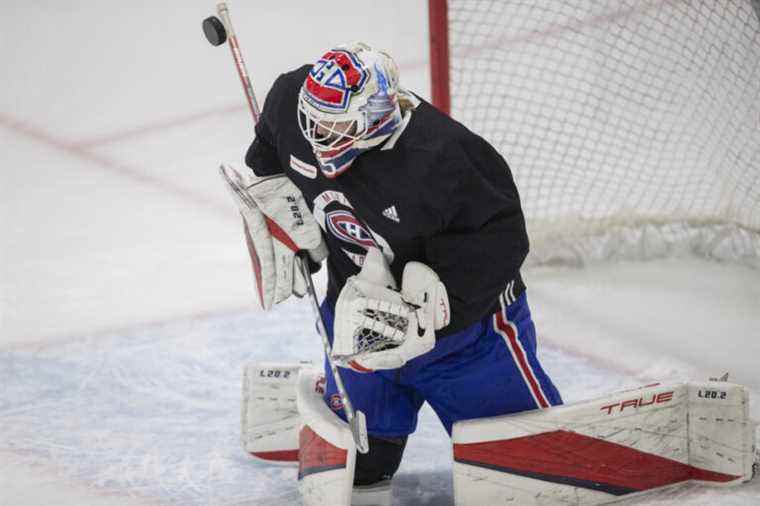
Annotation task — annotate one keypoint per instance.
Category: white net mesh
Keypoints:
(632, 127)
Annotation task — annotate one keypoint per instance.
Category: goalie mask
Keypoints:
(348, 105)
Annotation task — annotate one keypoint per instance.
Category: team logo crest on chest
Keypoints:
(338, 219)
(333, 79)
(345, 226)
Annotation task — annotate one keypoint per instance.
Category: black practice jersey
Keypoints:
(439, 194)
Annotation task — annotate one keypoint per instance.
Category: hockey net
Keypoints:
(632, 127)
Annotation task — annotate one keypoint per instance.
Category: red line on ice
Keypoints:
(135, 173)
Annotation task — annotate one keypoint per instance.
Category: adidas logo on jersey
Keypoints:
(391, 214)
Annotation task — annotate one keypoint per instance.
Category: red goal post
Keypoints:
(632, 126)
(438, 22)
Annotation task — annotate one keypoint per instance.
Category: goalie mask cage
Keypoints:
(632, 127)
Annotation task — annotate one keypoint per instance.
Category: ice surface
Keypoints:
(153, 415)
(125, 289)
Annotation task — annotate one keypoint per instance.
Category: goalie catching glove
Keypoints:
(277, 225)
(380, 327)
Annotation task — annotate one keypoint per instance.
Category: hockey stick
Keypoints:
(217, 33)
(356, 419)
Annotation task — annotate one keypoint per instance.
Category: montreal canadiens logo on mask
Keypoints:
(333, 79)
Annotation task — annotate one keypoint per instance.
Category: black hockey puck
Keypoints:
(214, 31)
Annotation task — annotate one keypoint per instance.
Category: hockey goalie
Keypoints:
(420, 224)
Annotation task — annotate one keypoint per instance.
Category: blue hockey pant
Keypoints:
(487, 369)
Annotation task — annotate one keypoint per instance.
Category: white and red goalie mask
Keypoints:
(348, 104)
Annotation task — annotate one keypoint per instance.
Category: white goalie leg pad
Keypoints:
(269, 416)
(327, 453)
(601, 451)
